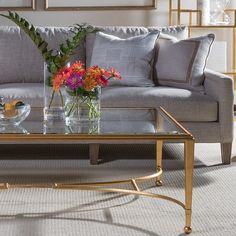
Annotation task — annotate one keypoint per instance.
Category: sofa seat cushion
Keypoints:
(183, 104)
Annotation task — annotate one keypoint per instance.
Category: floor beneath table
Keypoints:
(47, 212)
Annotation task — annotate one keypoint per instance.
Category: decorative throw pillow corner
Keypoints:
(132, 57)
(181, 63)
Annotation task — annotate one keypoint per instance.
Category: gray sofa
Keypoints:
(208, 116)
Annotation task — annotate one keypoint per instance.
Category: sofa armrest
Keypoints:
(220, 87)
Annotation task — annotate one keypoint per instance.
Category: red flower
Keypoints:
(112, 73)
(103, 82)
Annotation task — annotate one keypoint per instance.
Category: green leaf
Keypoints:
(11, 14)
(26, 24)
(32, 29)
(43, 46)
(17, 16)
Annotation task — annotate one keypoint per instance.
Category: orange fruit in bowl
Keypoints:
(9, 106)
(10, 110)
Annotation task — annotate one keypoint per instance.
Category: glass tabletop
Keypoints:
(114, 121)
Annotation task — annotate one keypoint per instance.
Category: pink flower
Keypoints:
(74, 81)
(112, 73)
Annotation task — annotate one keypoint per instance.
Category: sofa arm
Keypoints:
(220, 87)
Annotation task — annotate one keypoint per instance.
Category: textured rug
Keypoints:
(46, 212)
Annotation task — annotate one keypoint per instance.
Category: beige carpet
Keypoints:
(45, 212)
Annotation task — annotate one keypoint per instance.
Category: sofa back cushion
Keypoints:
(181, 63)
(132, 57)
(180, 32)
(20, 60)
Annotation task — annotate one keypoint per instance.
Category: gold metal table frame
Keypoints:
(186, 138)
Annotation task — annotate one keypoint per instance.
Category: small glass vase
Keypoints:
(54, 109)
(84, 108)
(219, 16)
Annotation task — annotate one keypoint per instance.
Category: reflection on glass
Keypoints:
(13, 129)
(55, 128)
(89, 127)
(219, 16)
(120, 121)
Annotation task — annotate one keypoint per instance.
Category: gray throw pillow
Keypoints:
(181, 63)
(124, 32)
(132, 57)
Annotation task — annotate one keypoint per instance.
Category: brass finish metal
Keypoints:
(153, 5)
(234, 87)
(135, 185)
(187, 230)
(212, 26)
(176, 122)
(179, 12)
(170, 12)
(159, 145)
(183, 136)
(82, 137)
(4, 186)
(97, 187)
(190, 18)
(33, 4)
(30, 8)
(188, 163)
(159, 183)
(124, 191)
(234, 46)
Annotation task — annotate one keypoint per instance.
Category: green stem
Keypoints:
(62, 100)
(53, 93)
(77, 102)
(93, 112)
(71, 109)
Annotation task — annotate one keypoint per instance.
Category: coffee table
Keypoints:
(117, 125)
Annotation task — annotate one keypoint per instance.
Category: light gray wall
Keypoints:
(130, 17)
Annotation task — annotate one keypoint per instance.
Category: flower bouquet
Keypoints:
(82, 90)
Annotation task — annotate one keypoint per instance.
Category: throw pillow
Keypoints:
(124, 32)
(132, 57)
(182, 63)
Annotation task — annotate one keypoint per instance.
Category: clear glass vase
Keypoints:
(83, 108)
(54, 107)
(219, 16)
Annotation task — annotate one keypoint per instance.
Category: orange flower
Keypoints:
(57, 82)
(89, 83)
(78, 67)
(60, 77)
(95, 72)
